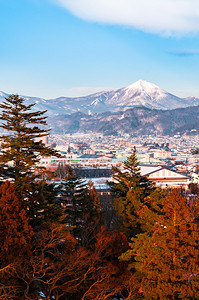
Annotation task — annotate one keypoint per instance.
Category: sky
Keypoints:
(53, 48)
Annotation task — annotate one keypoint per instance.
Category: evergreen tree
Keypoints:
(92, 220)
(166, 258)
(94, 211)
(129, 190)
(74, 198)
(15, 231)
(82, 206)
(43, 205)
(21, 148)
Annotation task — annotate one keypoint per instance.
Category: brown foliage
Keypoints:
(108, 274)
(50, 264)
(15, 231)
(59, 270)
(166, 259)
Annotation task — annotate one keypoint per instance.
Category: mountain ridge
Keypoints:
(135, 121)
(140, 93)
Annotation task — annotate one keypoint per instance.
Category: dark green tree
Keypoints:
(92, 220)
(21, 145)
(44, 205)
(129, 190)
(94, 211)
(82, 206)
(21, 150)
(75, 199)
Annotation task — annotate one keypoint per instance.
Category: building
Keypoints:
(164, 177)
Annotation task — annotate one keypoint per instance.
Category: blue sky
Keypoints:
(76, 47)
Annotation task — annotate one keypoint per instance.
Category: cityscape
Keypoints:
(177, 153)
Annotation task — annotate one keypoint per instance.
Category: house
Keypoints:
(92, 159)
(163, 177)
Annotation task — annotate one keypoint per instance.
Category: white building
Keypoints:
(164, 177)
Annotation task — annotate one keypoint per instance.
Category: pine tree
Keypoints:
(82, 206)
(166, 258)
(44, 206)
(92, 219)
(129, 190)
(94, 211)
(21, 148)
(15, 231)
(74, 198)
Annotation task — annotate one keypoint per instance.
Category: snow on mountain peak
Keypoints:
(140, 93)
(144, 93)
(144, 85)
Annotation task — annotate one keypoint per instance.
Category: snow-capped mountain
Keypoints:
(140, 93)
(143, 93)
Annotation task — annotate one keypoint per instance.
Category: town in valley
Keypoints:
(169, 161)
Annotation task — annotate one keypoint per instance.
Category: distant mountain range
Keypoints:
(136, 121)
(140, 93)
(140, 108)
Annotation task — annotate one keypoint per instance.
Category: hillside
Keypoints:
(136, 121)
